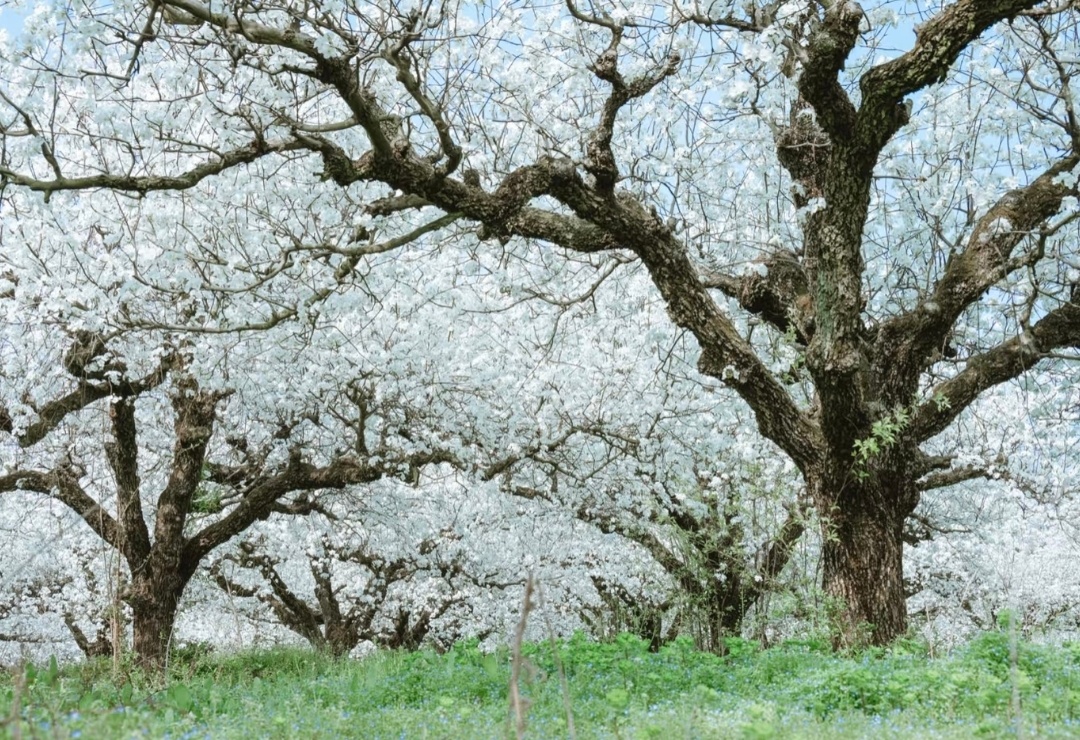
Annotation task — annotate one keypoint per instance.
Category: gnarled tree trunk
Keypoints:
(153, 626)
(154, 597)
(863, 511)
(862, 569)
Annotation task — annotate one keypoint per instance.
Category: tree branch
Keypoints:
(148, 183)
(63, 485)
(399, 57)
(727, 21)
(123, 454)
(829, 46)
(289, 608)
(725, 355)
(87, 392)
(599, 159)
(780, 296)
(1059, 328)
(938, 43)
(913, 340)
(264, 492)
(775, 554)
(952, 477)
(195, 411)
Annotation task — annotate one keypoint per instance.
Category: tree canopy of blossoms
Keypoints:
(266, 247)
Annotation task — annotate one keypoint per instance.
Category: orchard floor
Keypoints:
(613, 690)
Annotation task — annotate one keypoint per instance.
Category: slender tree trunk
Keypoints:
(727, 609)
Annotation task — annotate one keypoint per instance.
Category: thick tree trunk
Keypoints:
(153, 626)
(862, 570)
(154, 602)
(863, 554)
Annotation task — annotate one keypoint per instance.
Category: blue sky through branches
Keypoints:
(11, 20)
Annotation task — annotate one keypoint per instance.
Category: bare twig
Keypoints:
(519, 705)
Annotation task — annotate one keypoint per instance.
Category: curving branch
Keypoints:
(353, 254)
(53, 413)
(915, 339)
(1059, 328)
(599, 158)
(265, 491)
(148, 183)
(337, 71)
(384, 131)
(289, 608)
(101, 646)
(397, 204)
(781, 296)
(940, 474)
(398, 55)
(62, 484)
(938, 43)
(727, 21)
(726, 355)
(288, 38)
(955, 476)
(920, 528)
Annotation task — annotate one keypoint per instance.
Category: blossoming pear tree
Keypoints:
(862, 240)
(608, 449)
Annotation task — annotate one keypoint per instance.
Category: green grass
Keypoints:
(617, 690)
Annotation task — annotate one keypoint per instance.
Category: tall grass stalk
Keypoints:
(519, 705)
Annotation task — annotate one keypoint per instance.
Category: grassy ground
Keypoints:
(616, 690)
